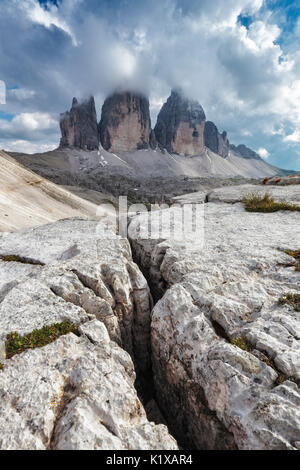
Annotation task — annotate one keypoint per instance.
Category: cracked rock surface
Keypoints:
(77, 392)
(83, 275)
(215, 394)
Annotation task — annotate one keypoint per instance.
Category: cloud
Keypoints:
(263, 153)
(246, 78)
(294, 137)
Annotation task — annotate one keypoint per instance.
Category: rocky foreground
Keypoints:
(224, 353)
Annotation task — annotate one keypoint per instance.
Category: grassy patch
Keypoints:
(15, 344)
(291, 299)
(255, 202)
(242, 343)
(19, 259)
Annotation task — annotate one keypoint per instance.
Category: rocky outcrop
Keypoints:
(216, 142)
(225, 352)
(79, 127)
(180, 125)
(125, 124)
(77, 392)
(244, 152)
(282, 180)
(235, 194)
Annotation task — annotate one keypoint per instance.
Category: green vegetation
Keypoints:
(1, 366)
(255, 202)
(15, 344)
(291, 299)
(242, 343)
(19, 259)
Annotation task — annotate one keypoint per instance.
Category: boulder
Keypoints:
(125, 124)
(79, 127)
(180, 125)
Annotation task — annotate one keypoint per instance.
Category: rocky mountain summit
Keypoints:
(180, 125)
(79, 126)
(125, 126)
(125, 123)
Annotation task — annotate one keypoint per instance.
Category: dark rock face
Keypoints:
(245, 152)
(79, 126)
(217, 143)
(223, 150)
(125, 124)
(211, 136)
(180, 125)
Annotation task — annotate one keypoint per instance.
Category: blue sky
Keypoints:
(239, 58)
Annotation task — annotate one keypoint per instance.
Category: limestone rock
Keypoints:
(84, 275)
(244, 151)
(215, 394)
(79, 127)
(215, 141)
(180, 125)
(75, 394)
(125, 124)
(235, 194)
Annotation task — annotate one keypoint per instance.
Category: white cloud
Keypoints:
(29, 122)
(50, 17)
(263, 153)
(294, 137)
(26, 146)
(21, 93)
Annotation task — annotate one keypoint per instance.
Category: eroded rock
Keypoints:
(75, 394)
(212, 295)
(79, 127)
(180, 125)
(125, 124)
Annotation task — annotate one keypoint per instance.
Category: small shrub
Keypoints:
(15, 344)
(1, 366)
(291, 299)
(242, 343)
(255, 202)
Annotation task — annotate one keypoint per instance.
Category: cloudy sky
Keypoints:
(239, 58)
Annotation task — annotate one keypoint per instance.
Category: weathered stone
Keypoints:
(217, 143)
(244, 151)
(75, 394)
(214, 394)
(125, 124)
(84, 275)
(180, 125)
(79, 126)
(234, 194)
